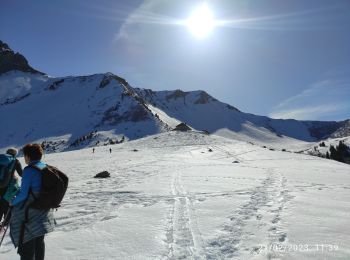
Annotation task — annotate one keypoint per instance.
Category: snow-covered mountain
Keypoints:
(70, 110)
(81, 111)
(203, 112)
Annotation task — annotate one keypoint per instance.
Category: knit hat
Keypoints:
(12, 151)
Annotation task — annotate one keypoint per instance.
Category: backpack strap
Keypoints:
(30, 189)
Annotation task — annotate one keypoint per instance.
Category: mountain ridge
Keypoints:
(105, 104)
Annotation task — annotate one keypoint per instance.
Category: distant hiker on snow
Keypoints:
(110, 150)
(42, 189)
(9, 185)
(93, 150)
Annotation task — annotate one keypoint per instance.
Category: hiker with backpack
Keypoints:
(9, 184)
(42, 189)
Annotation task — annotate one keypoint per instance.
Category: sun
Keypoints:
(201, 21)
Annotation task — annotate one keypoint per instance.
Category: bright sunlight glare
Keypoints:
(201, 21)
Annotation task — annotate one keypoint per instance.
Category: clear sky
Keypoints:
(285, 59)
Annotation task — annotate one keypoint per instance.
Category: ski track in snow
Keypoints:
(266, 201)
(255, 192)
(271, 194)
(183, 235)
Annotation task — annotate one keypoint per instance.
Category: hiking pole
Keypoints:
(7, 226)
(3, 236)
(5, 218)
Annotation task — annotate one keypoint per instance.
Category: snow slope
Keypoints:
(38, 108)
(203, 112)
(16, 85)
(174, 199)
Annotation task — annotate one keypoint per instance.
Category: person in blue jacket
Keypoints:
(28, 226)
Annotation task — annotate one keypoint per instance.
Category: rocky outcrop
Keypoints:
(9, 60)
(177, 94)
(183, 127)
(103, 174)
(204, 98)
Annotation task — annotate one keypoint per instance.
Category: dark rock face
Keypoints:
(182, 127)
(321, 130)
(103, 174)
(136, 113)
(105, 81)
(56, 84)
(14, 100)
(108, 77)
(204, 98)
(9, 60)
(177, 94)
(232, 108)
(88, 138)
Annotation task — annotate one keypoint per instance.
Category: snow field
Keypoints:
(174, 199)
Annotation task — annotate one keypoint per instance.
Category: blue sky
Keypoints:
(285, 59)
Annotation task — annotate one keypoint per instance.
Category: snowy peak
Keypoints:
(109, 77)
(92, 110)
(204, 98)
(203, 112)
(198, 97)
(9, 60)
(75, 112)
(195, 97)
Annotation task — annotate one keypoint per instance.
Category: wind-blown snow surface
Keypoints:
(174, 199)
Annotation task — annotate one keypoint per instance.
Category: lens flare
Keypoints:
(201, 21)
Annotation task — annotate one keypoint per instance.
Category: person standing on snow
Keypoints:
(11, 189)
(28, 225)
